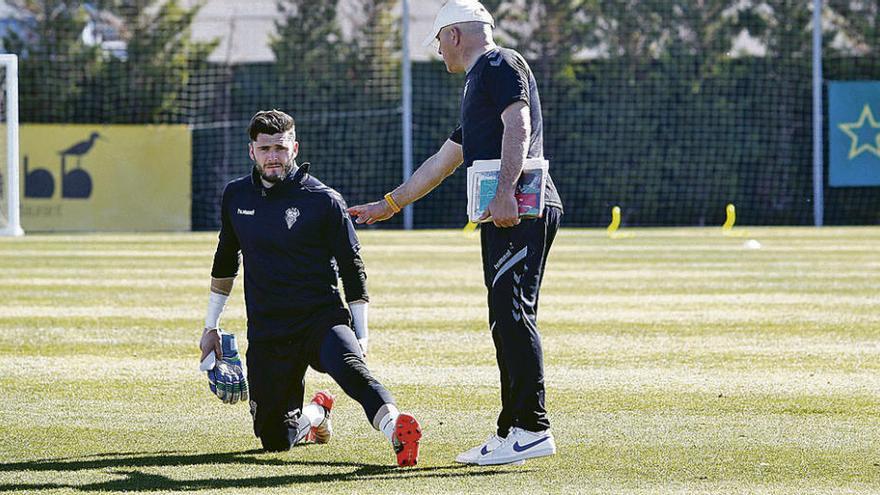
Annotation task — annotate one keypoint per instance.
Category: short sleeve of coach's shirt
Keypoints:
(455, 137)
(506, 80)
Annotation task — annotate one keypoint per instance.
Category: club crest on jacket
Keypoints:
(290, 216)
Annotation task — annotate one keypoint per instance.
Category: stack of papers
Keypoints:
(482, 181)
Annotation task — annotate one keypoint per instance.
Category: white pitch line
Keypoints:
(673, 379)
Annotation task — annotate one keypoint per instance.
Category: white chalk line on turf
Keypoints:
(676, 379)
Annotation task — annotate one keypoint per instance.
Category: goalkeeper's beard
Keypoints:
(273, 177)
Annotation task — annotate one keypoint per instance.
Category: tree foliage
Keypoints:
(54, 62)
(66, 77)
(326, 65)
(161, 60)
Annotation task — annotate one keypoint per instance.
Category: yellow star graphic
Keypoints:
(849, 129)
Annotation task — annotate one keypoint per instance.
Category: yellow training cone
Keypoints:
(731, 218)
(727, 228)
(615, 224)
(615, 221)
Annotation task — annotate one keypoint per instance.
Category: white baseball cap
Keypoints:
(456, 11)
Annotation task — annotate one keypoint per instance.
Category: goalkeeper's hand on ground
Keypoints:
(226, 377)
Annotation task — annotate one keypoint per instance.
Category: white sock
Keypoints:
(314, 413)
(386, 424)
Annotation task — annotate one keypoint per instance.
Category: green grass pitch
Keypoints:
(676, 361)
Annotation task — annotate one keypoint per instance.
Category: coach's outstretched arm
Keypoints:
(428, 176)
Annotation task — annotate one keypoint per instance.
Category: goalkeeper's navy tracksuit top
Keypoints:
(292, 237)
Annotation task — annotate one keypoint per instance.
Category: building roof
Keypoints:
(244, 28)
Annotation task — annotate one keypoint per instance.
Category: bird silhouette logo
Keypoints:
(77, 183)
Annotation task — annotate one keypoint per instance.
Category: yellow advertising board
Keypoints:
(105, 178)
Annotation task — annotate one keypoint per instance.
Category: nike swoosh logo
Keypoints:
(519, 448)
(484, 450)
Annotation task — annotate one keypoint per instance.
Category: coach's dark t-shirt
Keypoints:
(499, 77)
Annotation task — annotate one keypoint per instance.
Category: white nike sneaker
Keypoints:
(471, 456)
(520, 445)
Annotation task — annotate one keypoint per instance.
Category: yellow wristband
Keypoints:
(390, 201)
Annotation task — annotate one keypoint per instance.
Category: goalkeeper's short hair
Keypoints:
(270, 122)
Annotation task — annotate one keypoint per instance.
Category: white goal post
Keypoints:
(10, 216)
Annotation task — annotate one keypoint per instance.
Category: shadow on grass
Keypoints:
(121, 464)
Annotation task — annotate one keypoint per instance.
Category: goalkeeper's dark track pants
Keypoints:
(513, 267)
(276, 371)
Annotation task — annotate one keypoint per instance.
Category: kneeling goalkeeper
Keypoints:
(294, 236)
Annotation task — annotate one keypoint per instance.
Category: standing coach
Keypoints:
(500, 118)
